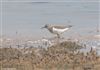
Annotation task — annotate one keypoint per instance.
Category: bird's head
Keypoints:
(69, 26)
(46, 26)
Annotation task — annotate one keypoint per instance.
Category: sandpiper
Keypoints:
(57, 29)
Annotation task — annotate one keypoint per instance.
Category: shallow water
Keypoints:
(24, 19)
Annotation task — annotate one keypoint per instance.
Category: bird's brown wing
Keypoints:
(60, 27)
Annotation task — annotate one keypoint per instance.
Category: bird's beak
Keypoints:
(42, 27)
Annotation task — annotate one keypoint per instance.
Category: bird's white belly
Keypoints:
(55, 30)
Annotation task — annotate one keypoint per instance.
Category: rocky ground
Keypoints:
(61, 56)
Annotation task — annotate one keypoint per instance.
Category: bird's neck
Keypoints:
(50, 29)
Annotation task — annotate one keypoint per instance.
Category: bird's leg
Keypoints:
(61, 37)
(58, 36)
(58, 40)
(55, 36)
